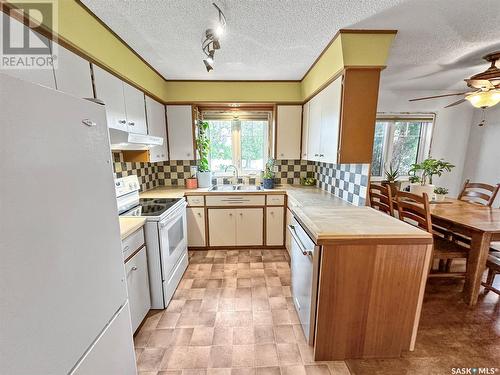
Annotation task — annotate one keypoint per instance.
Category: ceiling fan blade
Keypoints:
(455, 103)
(436, 96)
(480, 84)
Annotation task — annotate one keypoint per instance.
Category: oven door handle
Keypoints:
(293, 232)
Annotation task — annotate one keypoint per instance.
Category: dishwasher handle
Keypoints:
(293, 232)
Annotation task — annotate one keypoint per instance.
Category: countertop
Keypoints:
(326, 217)
(129, 225)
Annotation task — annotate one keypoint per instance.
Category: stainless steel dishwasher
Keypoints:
(304, 256)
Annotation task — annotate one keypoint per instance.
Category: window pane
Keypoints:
(378, 148)
(221, 149)
(253, 144)
(405, 145)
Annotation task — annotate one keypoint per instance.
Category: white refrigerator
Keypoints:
(63, 299)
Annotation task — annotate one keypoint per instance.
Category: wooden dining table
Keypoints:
(481, 224)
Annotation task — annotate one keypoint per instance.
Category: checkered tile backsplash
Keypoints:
(347, 181)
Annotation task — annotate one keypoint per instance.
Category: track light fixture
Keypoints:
(211, 41)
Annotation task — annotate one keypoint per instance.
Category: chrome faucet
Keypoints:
(235, 173)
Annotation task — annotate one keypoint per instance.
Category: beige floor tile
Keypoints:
(281, 317)
(275, 291)
(243, 282)
(209, 304)
(196, 293)
(259, 292)
(150, 359)
(185, 284)
(260, 304)
(229, 281)
(194, 371)
(275, 370)
(142, 338)
(169, 372)
(219, 371)
(226, 304)
(243, 293)
(243, 304)
(228, 293)
(264, 334)
(284, 334)
(161, 338)
(338, 368)
(293, 370)
(198, 357)
(202, 336)
(319, 369)
(152, 319)
(221, 356)
(243, 356)
(258, 280)
(199, 283)
(182, 336)
(257, 265)
(223, 335)
(175, 305)
(262, 318)
(243, 371)
(307, 353)
(266, 355)
(273, 281)
(192, 305)
(243, 335)
(277, 303)
(168, 320)
(149, 373)
(288, 354)
(299, 334)
(214, 283)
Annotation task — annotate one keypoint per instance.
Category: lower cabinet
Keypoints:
(236, 227)
(136, 269)
(274, 226)
(196, 226)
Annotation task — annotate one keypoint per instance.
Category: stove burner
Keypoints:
(152, 207)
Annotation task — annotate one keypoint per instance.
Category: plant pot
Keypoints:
(394, 186)
(419, 189)
(439, 197)
(268, 183)
(191, 183)
(204, 179)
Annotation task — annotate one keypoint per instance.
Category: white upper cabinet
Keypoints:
(305, 131)
(135, 109)
(180, 132)
(157, 126)
(109, 89)
(73, 74)
(44, 77)
(324, 122)
(288, 129)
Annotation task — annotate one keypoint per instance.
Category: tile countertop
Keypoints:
(326, 217)
(129, 225)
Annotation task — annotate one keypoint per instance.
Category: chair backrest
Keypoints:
(414, 209)
(480, 193)
(381, 198)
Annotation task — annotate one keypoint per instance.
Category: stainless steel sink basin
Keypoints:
(249, 187)
(222, 188)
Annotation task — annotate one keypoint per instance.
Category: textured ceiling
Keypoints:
(439, 42)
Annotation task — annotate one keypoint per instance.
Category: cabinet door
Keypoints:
(180, 132)
(44, 77)
(135, 109)
(313, 138)
(196, 226)
(288, 236)
(330, 121)
(274, 226)
(250, 227)
(305, 131)
(288, 130)
(222, 227)
(157, 126)
(138, 287)
(73, 74)
(109, 89)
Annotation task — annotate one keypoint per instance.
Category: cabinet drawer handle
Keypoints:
(131, 123)
(122, 121)
(126, 248)
(134, 268)
(321, 155)
(230, 214)
(199, 214)
(241, 213)
(316, 154)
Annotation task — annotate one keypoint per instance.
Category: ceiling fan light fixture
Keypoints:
(484, 99)
(208, 64)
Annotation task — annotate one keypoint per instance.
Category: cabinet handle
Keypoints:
(134, 268)
(230, 214)
(131, 123)
(122, 121)
(316, 154)
(126, 248)
(199, 214)
(241, 213)
(162, 155)
(321, 155)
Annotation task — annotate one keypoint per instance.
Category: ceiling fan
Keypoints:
(486, 86)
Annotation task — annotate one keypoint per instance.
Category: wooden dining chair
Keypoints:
(479, 193)
(414, 209)
(381, 198)
(493, 265)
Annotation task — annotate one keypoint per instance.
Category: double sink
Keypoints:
(235, 188)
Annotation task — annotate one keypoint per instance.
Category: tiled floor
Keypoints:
(232, 314)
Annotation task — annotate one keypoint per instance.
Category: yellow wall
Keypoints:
(78, 28)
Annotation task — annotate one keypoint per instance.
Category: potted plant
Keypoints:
(427, 169)
(391, 176)
(203, 146)
(440, 194)
(268, 175)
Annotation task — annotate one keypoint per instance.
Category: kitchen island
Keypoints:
(369, 272)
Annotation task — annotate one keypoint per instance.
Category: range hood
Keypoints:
(122, 140)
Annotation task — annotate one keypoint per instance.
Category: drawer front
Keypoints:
(275, 200)
(235, 200)
(195, 200)
(132, 242)
(138, 287)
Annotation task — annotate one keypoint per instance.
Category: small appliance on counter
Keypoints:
(166, 237)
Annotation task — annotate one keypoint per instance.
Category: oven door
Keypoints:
(172, 232)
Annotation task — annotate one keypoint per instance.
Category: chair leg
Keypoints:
(490, 277)
(442, 266)
(448, 264)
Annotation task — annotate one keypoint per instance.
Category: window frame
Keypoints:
(425, 141)
(236, 149)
